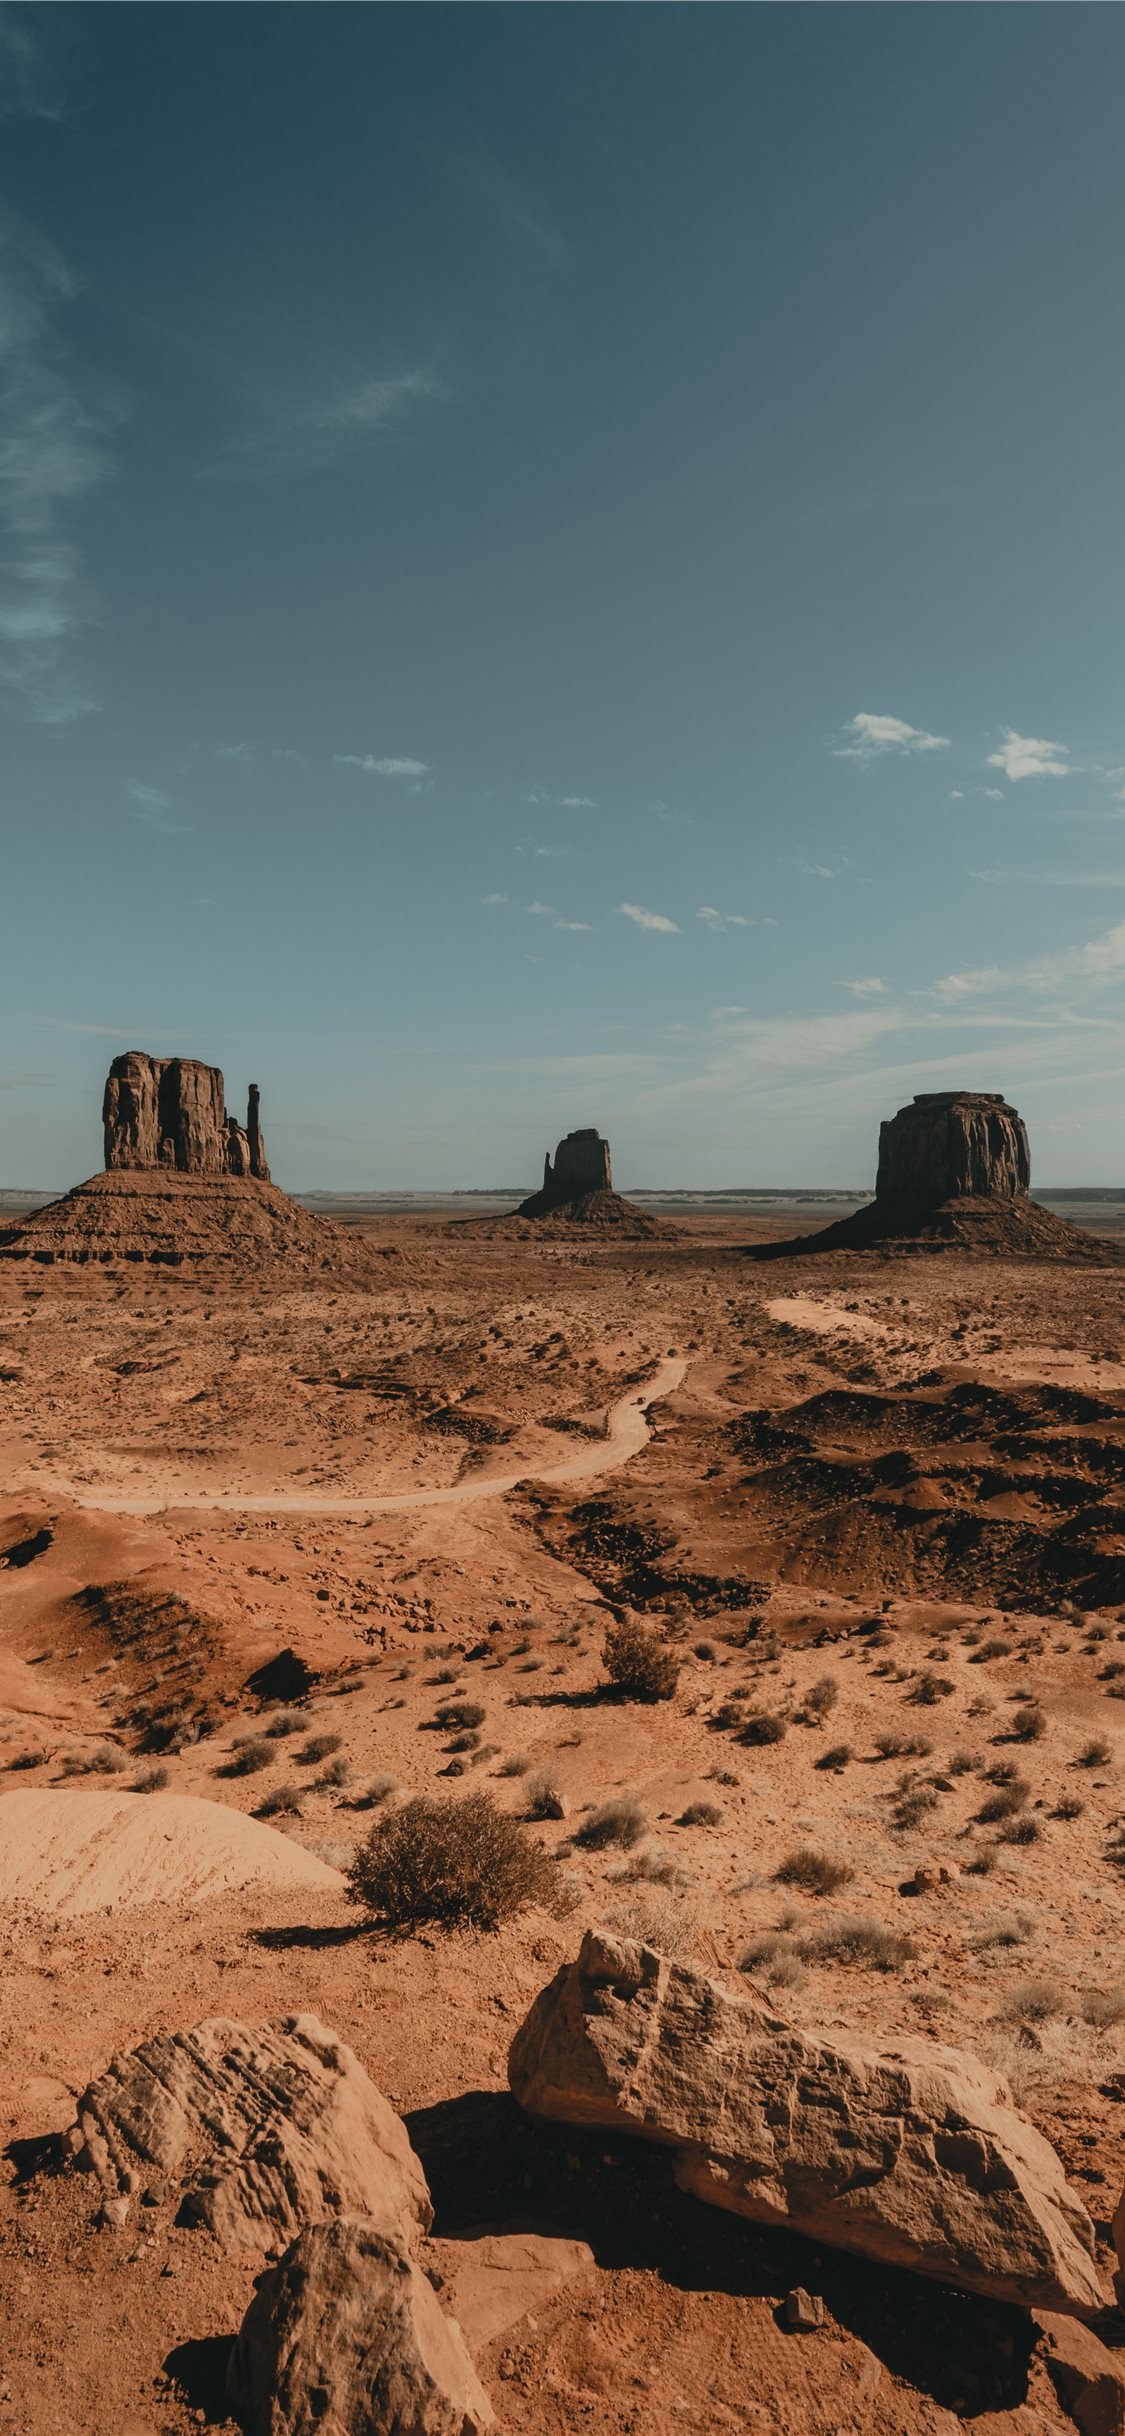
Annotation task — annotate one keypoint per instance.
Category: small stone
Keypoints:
(804, 2311)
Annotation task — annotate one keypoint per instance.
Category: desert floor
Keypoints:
(896, 1483)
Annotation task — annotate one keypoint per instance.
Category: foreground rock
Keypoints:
(171, 1112)
(346, 2338)
(263, 2131)
(912, 2154)
(168, 1220)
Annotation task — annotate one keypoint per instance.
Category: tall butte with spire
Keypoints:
(184, 1184)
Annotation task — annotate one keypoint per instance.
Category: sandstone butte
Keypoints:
(577, 1189)
(912, 2153)
(170, 1112)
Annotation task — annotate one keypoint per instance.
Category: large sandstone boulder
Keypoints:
(911, 2153)
(264, 2131)
(581, 1166)
(346, 2338)
(171, 1112)
(948, 1143)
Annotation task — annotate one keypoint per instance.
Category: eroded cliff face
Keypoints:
(171, 1112)
(948, 1143)
(581, 1165)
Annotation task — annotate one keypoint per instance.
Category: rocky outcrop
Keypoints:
(346, 2338)
(581, 1166)
(948, 1143)
(170, 1112)
(910, 2153)
(263, 2131)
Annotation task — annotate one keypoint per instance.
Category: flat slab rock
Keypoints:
(346, 2338)
(912, 2154)
(263, 2131)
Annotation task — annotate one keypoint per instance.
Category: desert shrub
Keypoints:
(281, 1802)
(815, 1872)
(1025, 1830)
(468, 1740)
(1034, 2000)
(930, 1688)
(657, 1918)
(104, 1760)
(1029, 1723)
(723, 1776)
(1094, 1755)
(151, 1780)
(1006, 1772)
(319, 1746)
(836, 1756)
(763, 1726)
(700, 1814)
(517, 1763)
(455, 1864)
(962, 1763)
(860, 1941)
(545, 1797)
(249, 1756)
(1003, 1804)
(460, 1714)
(913, 1806)
(640, 1662)
(705, 1650)
(377, 1789)
(1103, 2008)
(1014, 1929)
(618, 1821)
(338, 1772)
(822, 1695)
(1068, 1806)
(651, 1866)
(283, 1721)
(992, 1648)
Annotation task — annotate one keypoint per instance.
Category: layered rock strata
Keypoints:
(170, 1112)
(910, 2153)
(947, 1143)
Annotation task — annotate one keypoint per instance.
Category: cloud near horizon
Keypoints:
(872, 733)
(645, 920)
(1030, 757)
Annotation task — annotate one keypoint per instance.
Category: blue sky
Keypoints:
(564, 566)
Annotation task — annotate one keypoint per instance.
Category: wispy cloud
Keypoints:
(536, 908)
(240, 754)
(51, 455)
(1030, 757)
(388, 766)
(645, 920)
(872, 733)
(866, 985)
(154, 806)
(344, 420)
(28, 83)
(721, 921)
(817, 871)
(1051, 879)
(577, 803)
(560, 925)
(496, 896)
(1093, 961)
(544, 853)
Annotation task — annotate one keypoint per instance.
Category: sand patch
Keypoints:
(68, 1852)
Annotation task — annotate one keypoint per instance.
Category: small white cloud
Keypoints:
(721, 921)
(496, 897)
(871, 733)
(150, 799)
(233, 752)
(1030, 757)
(389, 766)
(956, 795)
(285, 752)
(867, 985)
(817, 871)
(574, 926)
(578, 803)
(645, 920)
(536, 908)
(995, 794)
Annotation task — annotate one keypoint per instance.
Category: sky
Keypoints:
(563, 566)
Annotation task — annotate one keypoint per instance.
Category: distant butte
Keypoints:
(184, 1185)
(954, 1171)
(577, 1188)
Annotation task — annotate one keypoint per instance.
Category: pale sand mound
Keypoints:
(68, 1851)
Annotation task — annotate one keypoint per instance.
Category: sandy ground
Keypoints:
(902, 1479)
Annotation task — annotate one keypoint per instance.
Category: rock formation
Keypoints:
(911, 2153)
(581, 1165)
(952, 1142)
(344, 2337)
(264, 2131)
(170, 1112)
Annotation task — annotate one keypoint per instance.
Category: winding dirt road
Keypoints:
(626, 1433)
